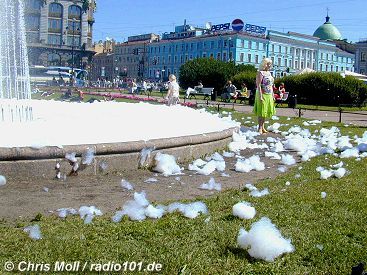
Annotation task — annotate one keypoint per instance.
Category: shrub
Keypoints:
(212, 73)
(327, 89)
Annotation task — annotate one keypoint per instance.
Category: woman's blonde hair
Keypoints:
(172, 77)
(264, 62)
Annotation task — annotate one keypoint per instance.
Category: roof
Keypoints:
(328, 31)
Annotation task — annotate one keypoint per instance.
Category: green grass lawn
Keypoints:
(184, 246)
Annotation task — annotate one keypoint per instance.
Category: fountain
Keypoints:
(35, 134)
(15, 89)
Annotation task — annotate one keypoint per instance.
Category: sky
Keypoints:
(119, 19)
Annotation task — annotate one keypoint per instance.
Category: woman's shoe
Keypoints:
(264, 131)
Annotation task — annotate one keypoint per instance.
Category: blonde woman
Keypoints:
(173, 91)
(264, 98)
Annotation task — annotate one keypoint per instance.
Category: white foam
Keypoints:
(288, 159)
(264, 241)
(34, 231)
(166, 164)
(126, 185)
(87, 213)
(2, 180)
(243, 210)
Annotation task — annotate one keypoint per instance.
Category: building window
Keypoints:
(257, 45)
(55, 25)
(176, 58)
(32, 37)
(32, 22)
(250, 44)
(75, 12)
(33, 4)
(321, 55)
(331, 68)
(242, 55)
(296, 64)
(212, 44)
(321, 67)
(54, 39)
(73, 40)
(337, 68)
(256, 59)
(279, 62)
(55, 10)
(204, 55)
(218, 56)
(326, 68)
(249, 58)
(224, 56)
(272, 48)
(363, 57)
(302, 65)
(211, 55)
(242, 43)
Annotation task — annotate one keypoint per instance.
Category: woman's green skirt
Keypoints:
(265, 108)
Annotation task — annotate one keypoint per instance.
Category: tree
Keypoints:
(212, 73)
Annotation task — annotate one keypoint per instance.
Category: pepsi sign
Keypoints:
(220, 27)
(255, 29)
(237, 25)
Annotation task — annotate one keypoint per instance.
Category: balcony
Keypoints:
(75, 16)
(74, 32)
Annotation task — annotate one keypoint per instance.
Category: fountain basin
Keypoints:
(116, 132)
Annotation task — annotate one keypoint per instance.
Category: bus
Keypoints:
(46, 76)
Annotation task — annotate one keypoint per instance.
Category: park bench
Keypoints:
(206, 92)
(284, 99)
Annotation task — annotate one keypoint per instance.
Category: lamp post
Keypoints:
(163, 70)
(72, 43)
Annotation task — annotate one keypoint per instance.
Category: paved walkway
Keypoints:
(356, 117)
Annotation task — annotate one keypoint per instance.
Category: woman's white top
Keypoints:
(174, 88)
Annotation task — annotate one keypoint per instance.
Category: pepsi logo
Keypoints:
(237, 25)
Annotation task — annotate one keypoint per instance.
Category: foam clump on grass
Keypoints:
(264, 241)
(350, 153)
(2, 180)
(166, 164)
(126, 185)
(327, 173)
(243, 210)
(211, 185)
(190, 210)
(252, 163)
(254, 192)
(87, 213)
(140, 208)
(34, 232)
(64, 212)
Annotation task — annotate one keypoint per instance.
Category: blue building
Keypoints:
(244, 44)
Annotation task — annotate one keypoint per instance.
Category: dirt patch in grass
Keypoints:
(26, 197)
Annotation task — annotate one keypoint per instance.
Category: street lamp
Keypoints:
(163, 70)
(72, 43)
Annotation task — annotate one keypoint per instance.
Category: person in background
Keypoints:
(172, 96)
(278, 95)
(244, 91)
(264, 98)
